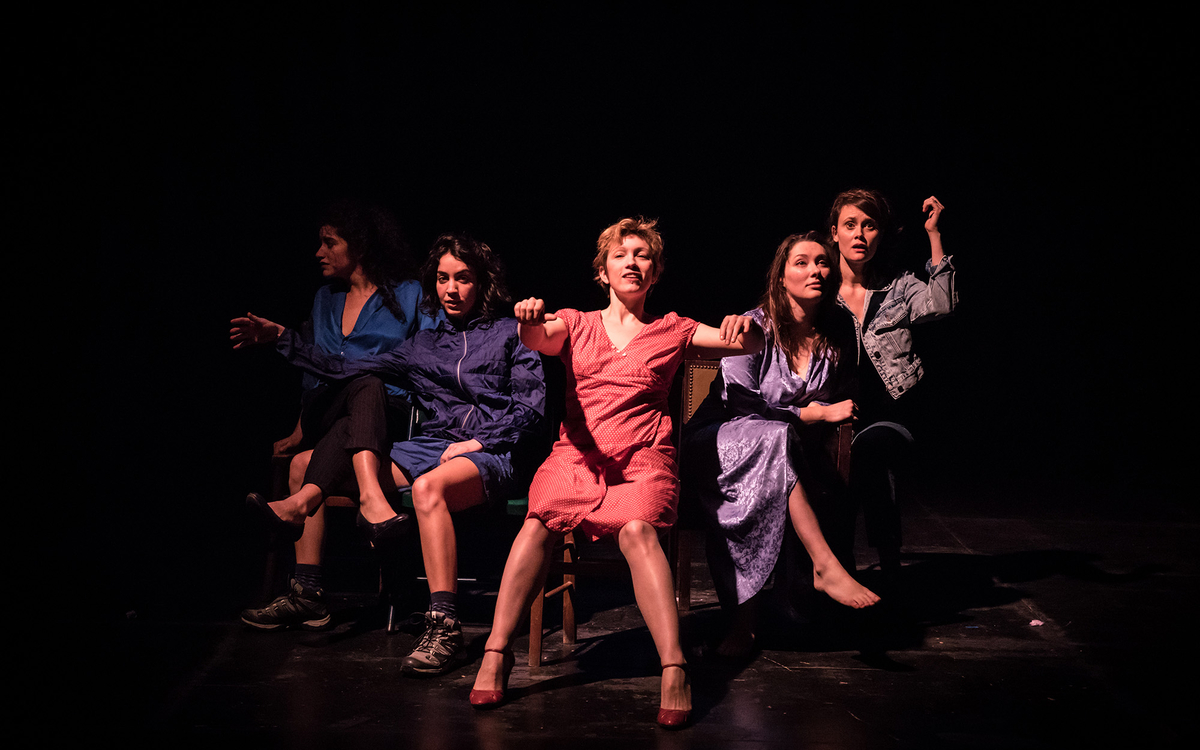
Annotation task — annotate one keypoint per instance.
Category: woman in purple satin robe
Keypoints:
(749, 445)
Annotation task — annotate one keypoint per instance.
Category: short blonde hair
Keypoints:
(616, 234)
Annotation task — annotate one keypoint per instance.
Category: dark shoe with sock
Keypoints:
(439, 649)
(298, 608)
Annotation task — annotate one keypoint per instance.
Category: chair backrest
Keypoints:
(698, 377)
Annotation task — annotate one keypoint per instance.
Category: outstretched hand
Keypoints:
(933, 208)
(253, 330)
(532, 312)
(734, 327)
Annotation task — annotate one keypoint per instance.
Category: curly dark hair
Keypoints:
(492, 300)
(778, 310)
(375, 242)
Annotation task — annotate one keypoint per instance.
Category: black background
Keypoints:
(195, 147)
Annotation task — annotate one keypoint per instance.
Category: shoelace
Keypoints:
(281, 604)
(430, 642)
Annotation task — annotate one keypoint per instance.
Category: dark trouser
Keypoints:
(880, 449)
(342, 420)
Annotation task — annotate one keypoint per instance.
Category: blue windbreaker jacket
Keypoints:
(477, 382)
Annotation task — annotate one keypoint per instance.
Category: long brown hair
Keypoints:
(778, 308)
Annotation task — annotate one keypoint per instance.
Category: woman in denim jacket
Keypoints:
(883, 304)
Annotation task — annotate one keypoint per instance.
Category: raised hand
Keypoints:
(933, 208)
(532, 312)
(253, 330)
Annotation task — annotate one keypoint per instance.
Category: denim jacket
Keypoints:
(887, 338)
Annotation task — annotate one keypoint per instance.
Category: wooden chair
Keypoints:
(697, 379)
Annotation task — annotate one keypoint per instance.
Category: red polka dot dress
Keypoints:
(614, 461)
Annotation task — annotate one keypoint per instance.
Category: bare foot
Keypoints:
(842, 588)
(676, 692)
(491, 672)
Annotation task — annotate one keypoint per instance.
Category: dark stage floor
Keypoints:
(954, 658)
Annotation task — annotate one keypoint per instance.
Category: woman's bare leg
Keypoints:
(304, 498)
(311, 544)
(372, 503)
(524, 573)
(451, 487)
(828, 574)
(654, 591)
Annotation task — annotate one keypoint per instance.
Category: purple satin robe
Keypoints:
(743, 451)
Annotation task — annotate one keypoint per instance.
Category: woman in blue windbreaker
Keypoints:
(486, 396)
(883, 304)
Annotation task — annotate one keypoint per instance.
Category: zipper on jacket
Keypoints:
(458, 374)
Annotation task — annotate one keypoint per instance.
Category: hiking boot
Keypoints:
(299, 608)
(439, 649)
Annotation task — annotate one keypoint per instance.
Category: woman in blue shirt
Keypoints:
(369, 307)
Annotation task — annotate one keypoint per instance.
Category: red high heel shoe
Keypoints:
(483, 699)
(674, 718)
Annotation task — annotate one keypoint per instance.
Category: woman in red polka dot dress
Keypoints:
(612, 471)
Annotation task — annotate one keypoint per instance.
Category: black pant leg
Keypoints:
(352, 418)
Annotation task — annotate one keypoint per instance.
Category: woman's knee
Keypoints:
(534, 530)
(428, 494)
(637, 535)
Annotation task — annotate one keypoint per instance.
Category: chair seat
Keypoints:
(517, 506)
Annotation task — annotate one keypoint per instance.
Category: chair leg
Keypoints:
(683, 571)
(568, 615)
(270, 567)
(568, 592)
(535, 627)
